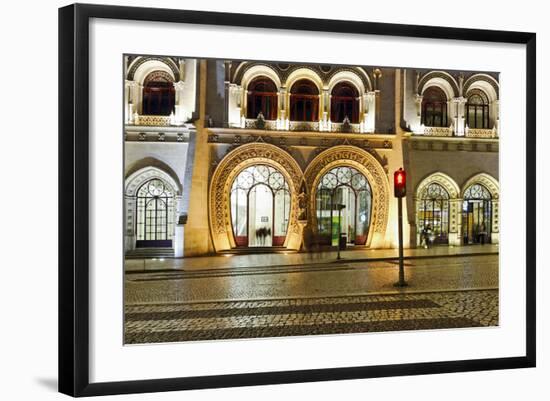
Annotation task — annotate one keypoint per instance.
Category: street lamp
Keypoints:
(339, 206)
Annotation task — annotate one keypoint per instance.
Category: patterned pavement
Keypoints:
(291, 301)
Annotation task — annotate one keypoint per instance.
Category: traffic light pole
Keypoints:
(400, 192)
(401, 282)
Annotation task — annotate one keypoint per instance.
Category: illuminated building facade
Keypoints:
(237, 156)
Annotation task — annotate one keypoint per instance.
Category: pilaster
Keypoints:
(197, 240)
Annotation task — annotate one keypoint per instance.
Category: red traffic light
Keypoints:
(400, 183)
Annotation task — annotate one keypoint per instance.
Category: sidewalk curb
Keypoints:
(313, 297)
(335, 261)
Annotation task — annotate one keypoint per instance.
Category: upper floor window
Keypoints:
(477, 110)
(159, 95)
(262, 97)
(344, 102)
(434, 108)
(304, 101)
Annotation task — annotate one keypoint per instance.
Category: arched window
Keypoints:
(477, 110)
(433, 213)
(476, 215)
(159, 95)
(260, 207)
(304, 101)
(344, 102)
(434, 108)
(348, 187)
(262, 97)
(155, 203)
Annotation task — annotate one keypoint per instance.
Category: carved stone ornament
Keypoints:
(229, 167)
(364, 162)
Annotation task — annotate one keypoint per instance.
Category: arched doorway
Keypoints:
(260, 207)
(220, 193)
(155, 212)
(370, 228)
(476, 215)
(143, 212)
(433, 212)
(349, 188)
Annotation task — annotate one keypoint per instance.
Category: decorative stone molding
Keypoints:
(220, 186)
(480, 133)
(158, 121)
(488, 80)
(138, 62)
(438, 131)
(136, 180)
(447, 83)
(486, 180)
(252, 123)
(368, 165)
(339, 127)
(304, 126)
(442, 179)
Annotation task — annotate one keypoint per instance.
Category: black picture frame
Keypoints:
(74, 199)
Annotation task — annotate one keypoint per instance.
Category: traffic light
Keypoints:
(400, 183)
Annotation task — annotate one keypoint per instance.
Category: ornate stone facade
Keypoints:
(209, 138)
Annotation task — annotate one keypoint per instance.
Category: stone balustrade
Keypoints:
(481, 133)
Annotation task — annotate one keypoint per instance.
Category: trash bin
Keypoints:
(343, 241)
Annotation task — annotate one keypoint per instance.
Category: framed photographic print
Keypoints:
(249, 199)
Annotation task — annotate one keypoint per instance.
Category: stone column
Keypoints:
(234, 102)
(458, 106)
(130, 206)
(325, 102)
(495, 221)
(242, 99)
(181, 65)
(132, 99)
(282, 108)
(416, 123)
(178, 229)
(494, 116)
(370, 111)
(455, 222)
(179, 115)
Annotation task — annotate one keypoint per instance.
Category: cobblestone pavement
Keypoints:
(317, 299)
(359, 278)
(297, 317)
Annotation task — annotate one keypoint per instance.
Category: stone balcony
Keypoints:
(438, 131)
(153, 121)
(303, 126)
(158, 133)
(481, 133)
(449, 132)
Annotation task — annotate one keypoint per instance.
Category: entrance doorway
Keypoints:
(476, 215)
(348, 187)
(260, 207)
(260, 216)
(433, 214)
(154, 215)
